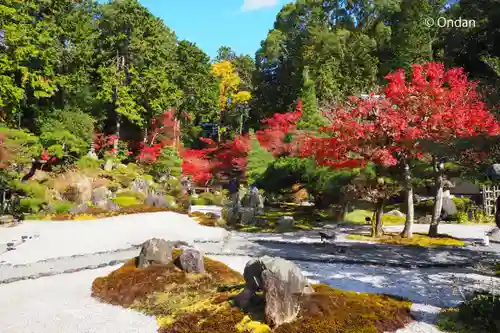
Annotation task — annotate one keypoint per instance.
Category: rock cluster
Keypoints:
(159, 252)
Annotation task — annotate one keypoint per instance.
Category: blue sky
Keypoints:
(240, 24)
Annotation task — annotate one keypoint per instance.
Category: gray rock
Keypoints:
(281, 305)
(396, 212)
(494, 235)
(112, 207)
(155, 252)
(286, 222)
(424, 219)
(159, 201)
(79, 209)
(140, 185)
(101, 197)
(191, 261)
(282, 282)
(247, 215)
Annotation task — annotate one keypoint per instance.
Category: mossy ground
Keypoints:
(359, 216)
(417, 240)
(196, 303)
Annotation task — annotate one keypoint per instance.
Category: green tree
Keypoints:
(258, 159)
(200, 91)
(137, 64)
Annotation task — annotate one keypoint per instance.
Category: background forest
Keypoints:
(112, 80)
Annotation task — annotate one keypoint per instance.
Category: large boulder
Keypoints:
(191, 261)
(101, 197)
(74, 187)
(157, 252)
(282, 283)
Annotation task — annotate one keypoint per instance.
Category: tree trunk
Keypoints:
(343, 210)
(410, 212)
(438, 199)
(377, 226)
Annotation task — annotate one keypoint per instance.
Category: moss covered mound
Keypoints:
(417, 240)
(129, 284)
(196, 303)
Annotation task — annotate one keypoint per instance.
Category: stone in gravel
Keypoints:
(191, 261)
(10, 244)
(424, 219)
(24, 237)
(396, 212)
(286, 222)
(155, 251)
(494, 235)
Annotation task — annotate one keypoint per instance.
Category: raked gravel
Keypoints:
(62, 303)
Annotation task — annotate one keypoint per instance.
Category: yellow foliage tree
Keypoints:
(229, 83)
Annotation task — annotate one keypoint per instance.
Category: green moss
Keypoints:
(200, 303)
(126, 201)
(417, 240)
(138, 195)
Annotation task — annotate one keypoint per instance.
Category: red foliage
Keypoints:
(104, 143)
(165, 131)
(278, 128)
(215, 161)
(435, 105)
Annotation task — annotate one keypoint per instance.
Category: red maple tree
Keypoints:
(434, 105)
(216, 161)
(280, 135)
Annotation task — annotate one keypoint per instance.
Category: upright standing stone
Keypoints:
(191, 261)
(155, 252)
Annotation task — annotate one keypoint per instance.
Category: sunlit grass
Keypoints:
(417, 240)
(359, 216)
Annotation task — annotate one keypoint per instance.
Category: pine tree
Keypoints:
(311, 117)
(258, 159)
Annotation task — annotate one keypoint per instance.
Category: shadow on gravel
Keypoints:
(430, 286)
(375, 254)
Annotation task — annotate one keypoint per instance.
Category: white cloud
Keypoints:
(249, 5)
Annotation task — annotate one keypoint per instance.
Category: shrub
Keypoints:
(168, 163)
(481, 217)
(479, 314)
(209, 198)
(31, 188)
(126, 201)
(87, 162)
(462, 217)
(199, 201)
(125, 176)
(425, 206)
(31, 205)
(139, 196)
(63, 207)
(174, 187)
(463, 204)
